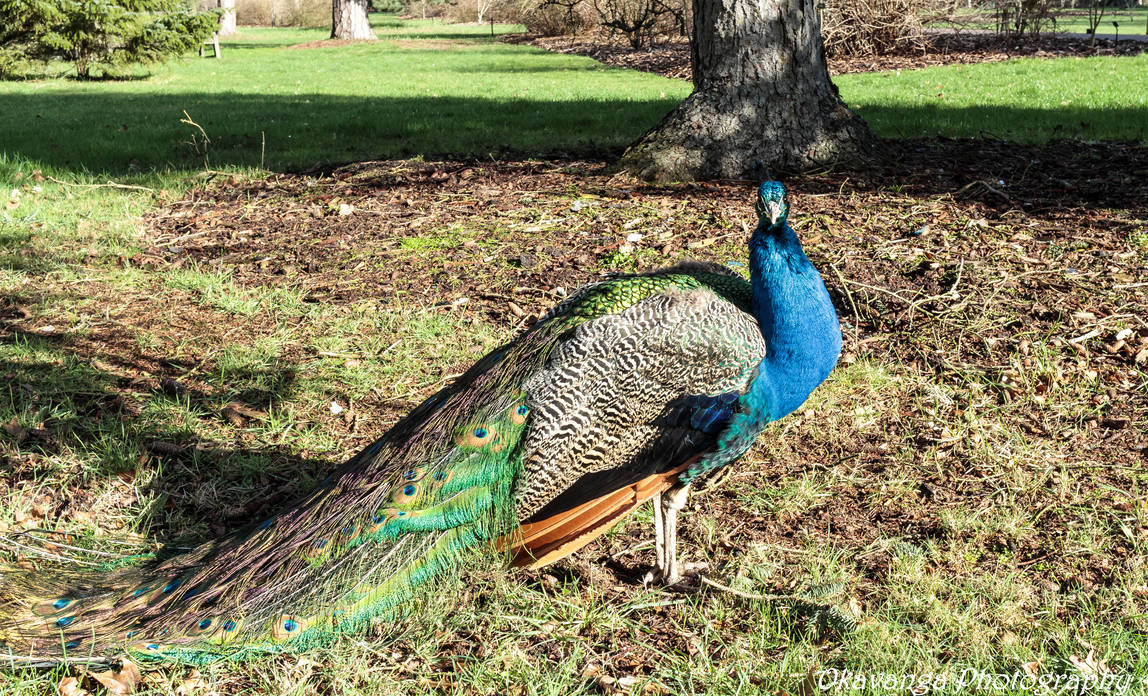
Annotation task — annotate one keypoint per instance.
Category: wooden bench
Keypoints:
(213, 42)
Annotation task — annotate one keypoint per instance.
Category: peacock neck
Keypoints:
(797, 319)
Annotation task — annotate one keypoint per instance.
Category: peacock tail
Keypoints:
(604, 402)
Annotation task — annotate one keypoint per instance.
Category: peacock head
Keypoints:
(772, 203)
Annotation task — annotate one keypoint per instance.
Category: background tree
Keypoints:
(349, 20)
(227, 17)
(762, 103)
(101, 35)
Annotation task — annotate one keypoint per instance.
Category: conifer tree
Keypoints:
(98, 35)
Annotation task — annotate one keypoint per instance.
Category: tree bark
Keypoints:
(762, 104)
(349, 20)
(227, 19)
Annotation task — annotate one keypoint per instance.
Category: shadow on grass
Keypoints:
(1009, 176)
(120, 134)
(114, 411)
(1027, 126)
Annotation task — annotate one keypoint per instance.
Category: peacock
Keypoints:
(629, 390)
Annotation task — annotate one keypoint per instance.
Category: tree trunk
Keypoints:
(227, 19)
(762, 103)
(349, 20)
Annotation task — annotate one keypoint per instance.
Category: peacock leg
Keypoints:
(659, 536)
(666, 506)
(671, 501)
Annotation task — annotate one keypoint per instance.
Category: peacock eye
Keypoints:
(480, 436)
(64, 621)
(290, 625)
(518, 414)
(61, 603)
(205, 624)
(406, 494)
(229, 626)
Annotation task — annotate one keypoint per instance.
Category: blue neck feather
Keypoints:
(802, 339)
(800, 327)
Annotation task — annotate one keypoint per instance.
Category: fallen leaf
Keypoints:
(1089, 666)
(14, 429)
(70, 686)
(172, 386)
(121, 681)
(193, 684)
(162, 447)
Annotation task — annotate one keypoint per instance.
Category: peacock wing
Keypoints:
(624, 403)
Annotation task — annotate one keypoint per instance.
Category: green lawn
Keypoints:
(1026, 100)
(429, 89)
(1132, 21)
(266, 104)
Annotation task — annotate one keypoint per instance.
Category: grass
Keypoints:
(104, 444)
(462, 93)
(267, 105)
(1027, 100)
(1132, 21)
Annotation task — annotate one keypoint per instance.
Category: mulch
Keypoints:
(671, 57)
(946, 257)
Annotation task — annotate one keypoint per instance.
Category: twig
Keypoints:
(849, 295)
(420, 388)
(73, 548)
(632, 549)
(652, 605)
(110, 184)
(330, 354)
(738, 593)
(181, 238)
(1084, 337)
(911, 303)
(45, 554)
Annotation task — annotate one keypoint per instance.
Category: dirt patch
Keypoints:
(329, 43)
(429, 44)
(995, 274)
(671, 58)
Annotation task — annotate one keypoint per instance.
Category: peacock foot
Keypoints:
(687, 576)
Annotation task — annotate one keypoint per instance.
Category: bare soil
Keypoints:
(671, 57)
(957, 268)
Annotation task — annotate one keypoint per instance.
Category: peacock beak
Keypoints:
(774, 212)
